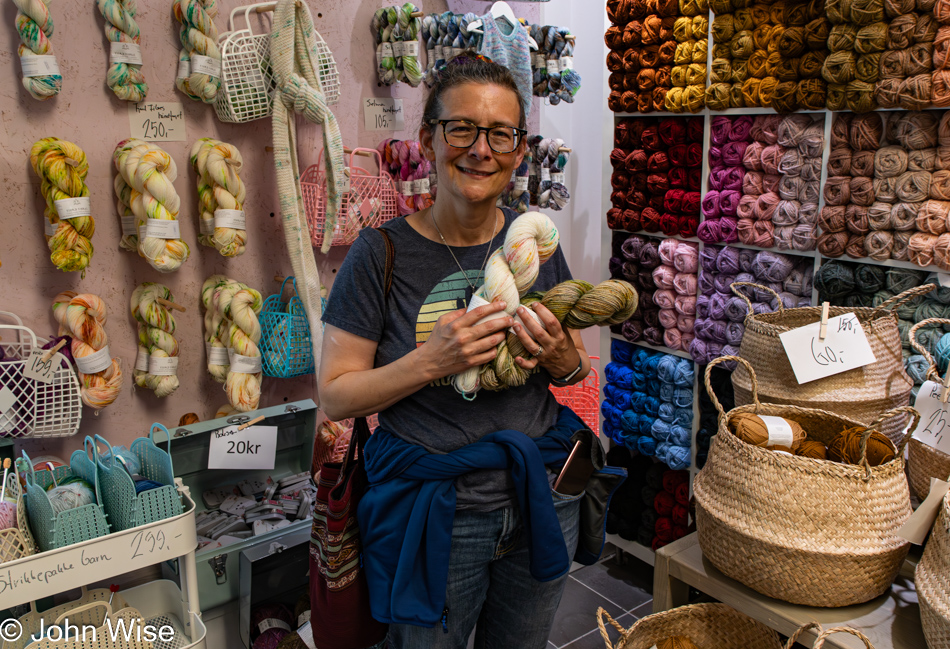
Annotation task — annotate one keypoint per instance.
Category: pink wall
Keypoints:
(88, 114)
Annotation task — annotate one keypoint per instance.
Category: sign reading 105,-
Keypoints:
(157, 121)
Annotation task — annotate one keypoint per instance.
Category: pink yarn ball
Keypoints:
(663, 276)
(7, 515)
(667, 250)
(685, 283)
(664, 298)
(667, 318)
(686, 259)
(673, 339)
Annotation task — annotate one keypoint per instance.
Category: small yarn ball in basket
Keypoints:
(752, 429)
(188, 419)
(71, 493)
(7, 515)
(676, 642)
(846, 448)
(812, 448)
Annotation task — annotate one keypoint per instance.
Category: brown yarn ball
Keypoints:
(744, 20)
(839, 67)
(865, 12)
(700, 27)
(649, 55)
(750, 92)
(776, 12)
(900, 32)
(904, 216)
(890, 161)
(717, 96)
(901, 242)
(664, 55)
(838, 11)
(810, 65)
(788, 70)
(752, 429)
(650, 33)
(855, 246)
(841, 37)
(921, 248)
(892, 64)
(756, 64)
(785, 97)
(941, 11)
(795, 14)
(792, 42)
(840, 129)
(862, 163)
(879, 216)
(846, 448)
(740, 70)
(862, 191)
(856, 217)
(926, 30)
(871, 38)
(188, 418)
(766, 88)
(735, 94)
(676, 642)
(761, 37)
(812, 448)
(867, 68)
(721, 71)
(879, 244)
(922, 160)
(915, 92)
(700, 52)
(942, 252)
(941, 48)
(894, 8)
(663, 77)
(919, 60)
(721, 6)
(836, 99)
(683, 29)
(886, 190)
(917, 130)
(887, 92)
(816, 33)
(940, 88)
(832, 244)
(865, 133)
(666, 28)
(741, 45)
(721, 51)
(811, 94)
(678, 76)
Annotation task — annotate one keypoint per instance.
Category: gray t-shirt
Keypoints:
(426, 284)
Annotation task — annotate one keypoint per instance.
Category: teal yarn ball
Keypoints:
(916, 367)
(941, 353)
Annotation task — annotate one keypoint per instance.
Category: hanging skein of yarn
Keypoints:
(206, 203)
(242, 305)
(224, 165)
(405, 36)
(125, 76)
(216, 330)
(34, 24)
(782, 435)
(155, 203)
(84, 317)
(383, 24)
(123, 194)
(156, 365)
(62, 169)
(552, 193)
(199, 61)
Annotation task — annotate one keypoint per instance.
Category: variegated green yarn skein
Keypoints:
(156, 335)
(407, 31)
(216, 329)
(125, 79)
(62, 169)
(206, 203)
(224, 166)
(383, 24)
(199, 37)
(34, 24)
(123, 194)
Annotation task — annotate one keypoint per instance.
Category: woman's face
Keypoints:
(476, 174)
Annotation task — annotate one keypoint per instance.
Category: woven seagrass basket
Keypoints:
(923, 461)
(932, 579)
(860, 394)
(802, 530)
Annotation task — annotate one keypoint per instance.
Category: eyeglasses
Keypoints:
(461, 134)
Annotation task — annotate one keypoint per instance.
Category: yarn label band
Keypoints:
(205, 65)
(141, 360)
(128, 226)
(123, 52)
(538, 61)
(251, 448)
(845, 347)
(44, 65)
(95, 362)
(387, 51)
(399, 49)
(162, 121)
(50, 228)
(245, 364)
(565, 63)
(39, 370)
(405, 187)
(545, 174)
(521, 184)
(163, 365)
(454, 51)
(184, 69)
(780, 433)
(161, 229)
(934, 427)
(553, 68)
(557, 178)
(383, 114)
(272, 623)
(234, 219)
(420, 186)
(72, 208)
(410, 48)
(439, 53)
(476, 302)
(217, 355)
(206, 226)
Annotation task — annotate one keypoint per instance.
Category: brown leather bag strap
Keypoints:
(390, 262)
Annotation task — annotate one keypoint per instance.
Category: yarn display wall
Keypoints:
(864, 285)
(664, 272)
(887, 194)
(657, 175)
(648, 403)
(410, 170)
(907, 60)
(764, 178)
(546, 180)
(657, 48)
(720, 313)
(552, 66)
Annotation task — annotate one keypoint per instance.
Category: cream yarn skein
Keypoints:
(34, 24)
(199, 38)
(206, 205)
(125, 79)
(156, 366)
(512, 269)
(230, 230)
(216, 330)
(123, 194)
(241, 306)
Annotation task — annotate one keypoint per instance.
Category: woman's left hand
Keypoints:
(551, 346)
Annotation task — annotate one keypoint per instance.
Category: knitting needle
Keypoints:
(49, 352)
(168, 304)
(823, 328)
(252, 422)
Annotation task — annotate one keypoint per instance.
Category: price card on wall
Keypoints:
(383, 114)
(934, 427)
(845, 347)
(162, 121)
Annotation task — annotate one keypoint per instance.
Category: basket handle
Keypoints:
(712, 395)
(283, 285)
(373, 153)
(781, 307)
(805, 627)
(820, 640)
(601, 614)
(168, 440)
(884, 416)
(91, 605)
(900, 298)
(246, 10)
(30, 474)
(932, 373)
(111, 459)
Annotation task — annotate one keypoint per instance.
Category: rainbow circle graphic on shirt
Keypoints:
(449, 295)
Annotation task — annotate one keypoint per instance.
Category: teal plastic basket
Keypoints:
(286, 346)
(53, 530)
(125, 508)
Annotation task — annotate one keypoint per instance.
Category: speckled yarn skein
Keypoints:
(199, 38)
(34, 24)
(156, 366)
(125, 79)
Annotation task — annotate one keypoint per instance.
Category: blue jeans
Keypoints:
(490, 587)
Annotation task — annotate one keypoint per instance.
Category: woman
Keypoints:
(397, 356)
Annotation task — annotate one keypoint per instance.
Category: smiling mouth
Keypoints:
(474, 173)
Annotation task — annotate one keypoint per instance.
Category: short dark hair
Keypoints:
(469, 67)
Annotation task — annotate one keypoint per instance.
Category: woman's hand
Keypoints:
(458, 342)
(549, 343)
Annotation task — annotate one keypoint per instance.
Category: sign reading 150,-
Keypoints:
(162, 121)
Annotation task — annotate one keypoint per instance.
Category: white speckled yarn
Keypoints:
(34, 24)
(240, 305)
(156, 335)
(215, 324)
(198, 36)
(224, 164)
(125, 79)
(123, 193)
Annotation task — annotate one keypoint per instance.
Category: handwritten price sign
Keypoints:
(383, 114)
(158, 121)
(934, 428)
(844, 348)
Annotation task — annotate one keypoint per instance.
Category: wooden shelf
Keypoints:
(891, 621)
(641, 552)
(658, 348)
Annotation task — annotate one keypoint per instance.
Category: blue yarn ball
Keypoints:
(145, 485)
(638, 381)
(646, 445)
(621, 351)
(942, 353)
(610, 431)
(683, 417)
(618, 374)
(638, 359)
(667, 412)
(683, 397)
(629, 423)
(661, 430)
(130, 459)
(661, 450)
(638, 401)
(651, 364)
(684, 375)
(677, 457)
(666, 368)
(666, 391)
(611, 413)
(679, 436)
(645, 422)
(916, 367)
(653, 388)
(619, 397)
(651, 405)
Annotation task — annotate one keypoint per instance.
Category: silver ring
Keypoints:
(539, 352)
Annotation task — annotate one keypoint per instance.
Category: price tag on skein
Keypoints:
(845, 348)
(934, 427)
(399, 49)
(206, 65)
(251, 448)
(234, 219)
(50, 228)
(545, 174)
(141, 360)
(73, 208)
(162, 229)
(163, 365)
(44, 65)
(245, 364)
(521, 184)
(410, 48)
(306, 634)
(38, 369)
(184, 69)
(217, 355)
(128, 226)
(565, 63)
(553, 68)
(557, 178)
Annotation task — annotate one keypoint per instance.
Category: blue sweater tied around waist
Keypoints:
(407, 513)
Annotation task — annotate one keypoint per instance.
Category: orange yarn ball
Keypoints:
(188, 419)
(752, 429)
(676, 642)
(812, 448)
(846, 448)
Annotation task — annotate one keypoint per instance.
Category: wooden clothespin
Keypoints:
(49, 352)
(279, 278)
(565, 149)
(71, 162)
(252, 422)
(168, 304)
(362, 153)
(268, 149)
(417, 14)
(945, 392)
(570, 37)
(823, 329)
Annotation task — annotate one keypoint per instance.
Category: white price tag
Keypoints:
(557, 178)
(217, 355)
(916, 528)
(533, 169)
(399, 49)
(521, 184)
(163, 365)
(545, 174)
(45, 65)
(125, 53)
(7, 399)
(303, 618)
(39, 370)
(538, 61)
(206, 226)
(71, 208)
(943, 279)
(251, 448)
(306, 634)
(436, 53)
(845, 348)
(184, 69)
(552, 66)
(934, 428)
(94, 362)
(383, 114)
(455, 51)
(234, 219)
(410, 48)
(128, 226)
(161, 229)
(405, 187)
(272, 623)
(780, 432)
(141, 360)
(50, 228)
(387, 51)
(206, 65)
(565, 63)
(245, 364)
(162, 121)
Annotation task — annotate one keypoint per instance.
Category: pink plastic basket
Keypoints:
(583, 398)
(370, 201)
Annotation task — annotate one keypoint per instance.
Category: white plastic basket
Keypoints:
(247, 80)
(160, 602)
(38, 409)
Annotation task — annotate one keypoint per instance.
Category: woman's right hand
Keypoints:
(458, 342)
